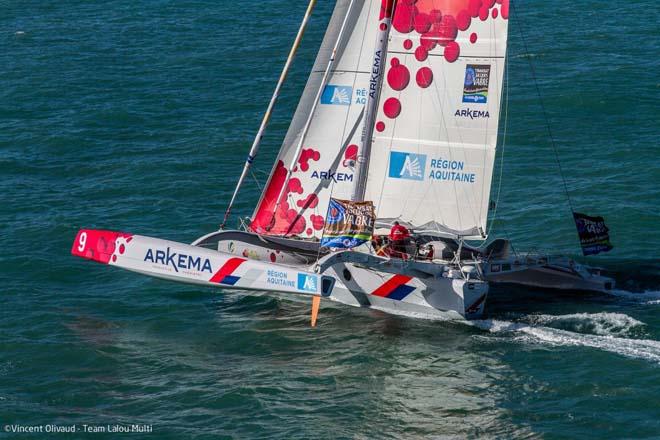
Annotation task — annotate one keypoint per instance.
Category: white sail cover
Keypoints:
(326, 164)
(436, 132)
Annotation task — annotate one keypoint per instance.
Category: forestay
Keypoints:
(436, 132)
(326, 163)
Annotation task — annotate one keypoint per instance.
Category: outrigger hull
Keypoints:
(350, 278)
(195, 265)
(549, 276)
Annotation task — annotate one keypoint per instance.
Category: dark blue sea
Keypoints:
(137, 115)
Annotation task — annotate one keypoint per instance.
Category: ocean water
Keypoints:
(136, 116)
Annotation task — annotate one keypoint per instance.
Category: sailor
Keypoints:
(399, 234)
(378, 246)
(428, 252)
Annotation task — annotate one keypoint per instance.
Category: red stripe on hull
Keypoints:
(227, 269)
(390, 285)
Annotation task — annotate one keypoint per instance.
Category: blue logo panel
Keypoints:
(337, 95)
(307, 283)
(407, 166)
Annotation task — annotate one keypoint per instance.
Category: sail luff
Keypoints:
(269, 111)
(371, 110)
(305, 131)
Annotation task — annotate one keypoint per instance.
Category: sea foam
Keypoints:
(602, 331)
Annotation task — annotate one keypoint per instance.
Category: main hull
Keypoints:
(392, 285)
(397, 293)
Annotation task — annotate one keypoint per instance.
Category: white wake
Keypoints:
(605, 324)
(649, 297)
(604, 331)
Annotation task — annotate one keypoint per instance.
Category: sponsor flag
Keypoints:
(594, 234)
(348, 224)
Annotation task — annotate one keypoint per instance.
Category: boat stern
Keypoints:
(475, 294)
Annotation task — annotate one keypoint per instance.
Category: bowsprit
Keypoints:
(178, 261)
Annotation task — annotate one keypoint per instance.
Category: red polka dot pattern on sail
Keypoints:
(424, 77)
(452, 51)
(392, 108)
(421, 54)
(317, 221)
(398, 76)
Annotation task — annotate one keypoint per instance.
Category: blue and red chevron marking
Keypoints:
(395, 288)
(224, 274)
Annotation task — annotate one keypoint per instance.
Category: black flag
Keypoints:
(594, 234)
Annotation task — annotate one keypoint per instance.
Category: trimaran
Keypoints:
(402, 108)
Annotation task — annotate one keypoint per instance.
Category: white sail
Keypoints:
(325, 166)
(436, 132)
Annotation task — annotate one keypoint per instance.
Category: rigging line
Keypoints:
(256, 181)
(492, 48)
(318, 254)
(506, 126)
(543, 110)
(502, 154)
(260, 171)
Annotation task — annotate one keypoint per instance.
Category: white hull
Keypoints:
(419, 288)
(399, 293)
(362, 280)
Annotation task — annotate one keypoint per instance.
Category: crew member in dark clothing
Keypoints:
(399, 235)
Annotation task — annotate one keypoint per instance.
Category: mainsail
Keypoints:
(434, 147)
(325, 166)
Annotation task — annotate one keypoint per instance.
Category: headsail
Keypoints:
(326, 164)
(436, 133)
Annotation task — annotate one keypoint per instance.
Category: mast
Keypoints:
(262, 128)
(371, 111)
(308, 122)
